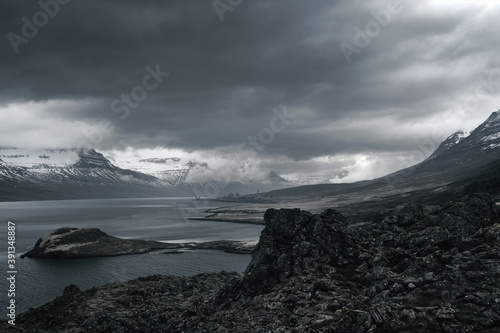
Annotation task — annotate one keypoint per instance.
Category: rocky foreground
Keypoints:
(415, 269)
(91, 242)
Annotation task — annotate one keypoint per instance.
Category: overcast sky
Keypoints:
(304, 88)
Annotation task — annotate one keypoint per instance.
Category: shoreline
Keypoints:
(91, 242)
(228, 220)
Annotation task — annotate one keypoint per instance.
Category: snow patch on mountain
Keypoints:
(450, 141)
(68, 166)
(172, 170)
(490, 137)
(341, 175)
(492, 122)
(491, 146)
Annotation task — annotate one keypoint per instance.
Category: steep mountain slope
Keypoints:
(10, 173)
(451, 141)
(445, 173)
(478, 149)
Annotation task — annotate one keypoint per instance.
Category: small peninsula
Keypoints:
(92, 242)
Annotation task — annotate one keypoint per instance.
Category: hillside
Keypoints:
(459, 159)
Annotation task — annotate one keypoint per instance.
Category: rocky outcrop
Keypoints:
(417, 269)
(81, 243)
(294, 242)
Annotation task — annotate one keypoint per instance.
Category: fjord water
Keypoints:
(162, 219)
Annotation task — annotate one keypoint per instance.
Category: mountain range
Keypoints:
(86, 173)
(463, 162)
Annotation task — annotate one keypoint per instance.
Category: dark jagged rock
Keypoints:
(467, 217)
(418, 269)
(293, 241)
(72, 288)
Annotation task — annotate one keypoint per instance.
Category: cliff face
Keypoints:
(416, 269)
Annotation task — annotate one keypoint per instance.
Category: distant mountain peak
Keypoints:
(494, 117)
(274, 178)
(487, 135)
(491, 124)
(340, 175)
(460, 154)
(458, 136)
(89, 158)
(451, 141)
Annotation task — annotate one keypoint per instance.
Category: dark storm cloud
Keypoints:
(226, 77)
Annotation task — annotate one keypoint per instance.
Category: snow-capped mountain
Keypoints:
(8, 172)
(82, 173)
(486, 136)
(171, 170)
(451, 141)
(479, 148)
(65, 174)
(274, 178)
(83, 166)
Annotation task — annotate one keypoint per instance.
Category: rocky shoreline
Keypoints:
(414, 269)
(234, 214)
(91, 242)
(229, 220)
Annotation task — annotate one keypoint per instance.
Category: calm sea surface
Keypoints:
(163, 219)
